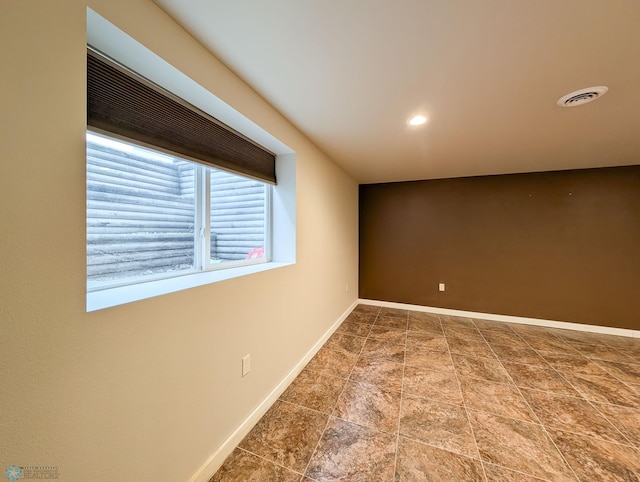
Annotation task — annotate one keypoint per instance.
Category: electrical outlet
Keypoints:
(441, 286)
(246, 364)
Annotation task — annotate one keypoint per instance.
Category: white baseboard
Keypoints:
(215, 461)
(608, 330)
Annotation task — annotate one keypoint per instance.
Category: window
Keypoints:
(124, 79)
(151, 216)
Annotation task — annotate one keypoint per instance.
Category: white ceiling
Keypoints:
(487, 74)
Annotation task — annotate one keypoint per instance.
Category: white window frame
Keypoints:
(202, 227)
(112, 41)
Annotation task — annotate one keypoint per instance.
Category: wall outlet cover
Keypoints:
(246, 364)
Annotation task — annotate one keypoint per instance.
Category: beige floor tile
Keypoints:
(353, 328)
(314, 390)
(436, 360)
(422, 340)
(367, 309)
(545, 379)
(361, 317)
(438, 424)
(492, 326)
(419, 316)
(418, 462)
(434, 384)
(583, 337)
(242, 466)
(599, 352)
(551, 345)
(370, 406)
(504, 338)
(348, 451)
(604, 390)
(456, 320)
(532, 330)
(331, 362)
(469, 331)
(625, 419)
(633, 352)
(518, 445)
(394, 336)
(382, 373)
(477, 367)
(391, 321)
(571, 414)
(519, 354)
(423, 315)
(394, 312)
(286, 435)
(496, 398)
(597, 460)
(567, 363)
(496, 473)
(375, 348)
(624, 372)
(622, 343)
(425, 324)
(469, 346)
(345, 343)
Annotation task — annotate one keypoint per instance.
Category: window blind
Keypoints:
(123, 103)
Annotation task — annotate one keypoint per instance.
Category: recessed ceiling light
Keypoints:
(582, 96)
(417, 120)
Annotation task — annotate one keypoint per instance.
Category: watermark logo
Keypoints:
(13, 472)
(31, 472)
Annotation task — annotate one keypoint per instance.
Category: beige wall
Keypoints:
(148, 390)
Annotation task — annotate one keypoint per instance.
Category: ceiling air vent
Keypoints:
(582, 96)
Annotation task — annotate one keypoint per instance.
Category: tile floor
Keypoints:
(398, 395)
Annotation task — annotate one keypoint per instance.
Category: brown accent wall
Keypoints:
(556, 245)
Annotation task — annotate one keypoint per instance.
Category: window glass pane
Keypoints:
(237, 217)
(140, 211)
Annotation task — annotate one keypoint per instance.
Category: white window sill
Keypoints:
(98, 300)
